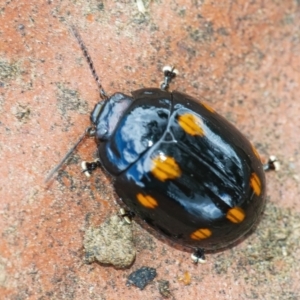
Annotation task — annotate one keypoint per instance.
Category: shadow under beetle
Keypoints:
(177, 164)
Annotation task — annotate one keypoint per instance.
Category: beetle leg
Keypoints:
(198, 256)
(169, 74)
(126, 215)
(89, 167)
(272, 164)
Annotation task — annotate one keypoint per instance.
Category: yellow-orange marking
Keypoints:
(255, 152)
(147, 201)
(236, 215)
(185, 278)
(191, 124)
(201, 234)
(255, 184)
(208, 107)
(165, 167)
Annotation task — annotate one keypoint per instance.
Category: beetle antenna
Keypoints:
(87, 133)
(88, 58)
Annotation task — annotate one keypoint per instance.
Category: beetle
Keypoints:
(178, 165)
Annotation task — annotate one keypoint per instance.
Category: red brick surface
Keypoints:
(242, 57)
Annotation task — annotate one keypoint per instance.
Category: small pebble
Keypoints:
(164, 288)
(110, 243)
(141, 277)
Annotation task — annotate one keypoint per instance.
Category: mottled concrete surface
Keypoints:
(241, 57)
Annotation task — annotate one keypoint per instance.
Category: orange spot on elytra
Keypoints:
(255, 184)
(255, 152)
(208, 107)
(147, 201)
(201, 234)
(236, 215)
(165, 167)
(191, 124)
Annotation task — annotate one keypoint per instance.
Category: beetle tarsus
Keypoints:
(126, 215)
(169, 73)
(90, 131)
(198, 256)
(272, 165)
(89, 167)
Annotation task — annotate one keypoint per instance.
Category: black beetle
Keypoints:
(178, 165)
